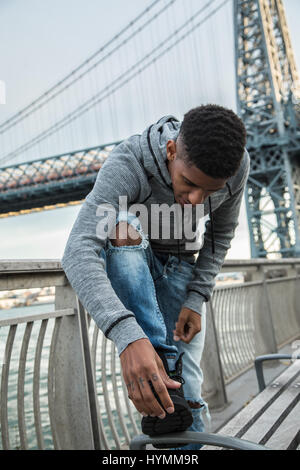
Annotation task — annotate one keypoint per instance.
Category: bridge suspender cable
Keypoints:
(124, 78)
(27, 110)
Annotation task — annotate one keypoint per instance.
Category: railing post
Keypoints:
(71, 416)
(296, 298)
(213, 385)
(90, 376)
(264, 333)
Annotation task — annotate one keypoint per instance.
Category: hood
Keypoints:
(153, 143)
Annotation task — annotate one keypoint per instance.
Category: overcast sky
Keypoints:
(43, 40)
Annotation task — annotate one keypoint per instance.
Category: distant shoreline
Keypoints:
(10, 305)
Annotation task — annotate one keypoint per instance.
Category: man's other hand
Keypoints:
(187, 326)
(141, 364)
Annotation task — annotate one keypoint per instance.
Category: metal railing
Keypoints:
(234, 319)
(119, 420)
(61, 383)
(240, 312)
(43, 344)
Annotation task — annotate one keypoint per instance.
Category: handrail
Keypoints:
(29, 265)
(41, 316)
(188, 437)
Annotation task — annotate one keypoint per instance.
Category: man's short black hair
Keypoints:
(214, 139)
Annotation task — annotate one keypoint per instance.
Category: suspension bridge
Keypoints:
(39, 169)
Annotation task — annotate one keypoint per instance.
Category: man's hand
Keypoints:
(187, 326)
(140, 363)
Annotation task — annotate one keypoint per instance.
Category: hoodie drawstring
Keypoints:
(212, 234)
(212, 222)
(178, 245)
(212, 229)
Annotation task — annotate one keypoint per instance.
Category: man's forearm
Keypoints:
(85, 271)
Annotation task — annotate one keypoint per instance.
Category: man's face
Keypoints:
(190, 185)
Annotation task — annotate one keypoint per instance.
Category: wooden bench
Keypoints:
(272, 418)
(271, 421)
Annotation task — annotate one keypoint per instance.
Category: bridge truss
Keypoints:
(268, 102)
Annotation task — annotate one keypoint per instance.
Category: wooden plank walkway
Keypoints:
(272, 418)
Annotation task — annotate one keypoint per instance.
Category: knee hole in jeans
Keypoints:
(194, 404)
(126, 235)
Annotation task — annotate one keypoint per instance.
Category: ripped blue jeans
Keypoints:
(153, 287)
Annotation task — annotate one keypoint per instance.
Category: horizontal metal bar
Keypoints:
(29, 265)
(258, 363)
(29, 280)
(238, 285)
(188, 437)
(36, 317)
(262, 262)
(281, 279)
(256, 283)
(50, 265)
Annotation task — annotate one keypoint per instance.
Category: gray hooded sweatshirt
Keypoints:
(137, 169)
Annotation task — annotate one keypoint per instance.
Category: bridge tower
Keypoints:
(268, 100)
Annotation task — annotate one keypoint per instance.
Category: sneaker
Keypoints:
(182, 417)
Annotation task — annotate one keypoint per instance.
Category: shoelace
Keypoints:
(178, 378)
(178, 371)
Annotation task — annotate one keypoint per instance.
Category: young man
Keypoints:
(146, 290)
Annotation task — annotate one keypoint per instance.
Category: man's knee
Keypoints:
(194, 404)
(126, 235)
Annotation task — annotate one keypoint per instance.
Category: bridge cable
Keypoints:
(96, 99)
(26, 111)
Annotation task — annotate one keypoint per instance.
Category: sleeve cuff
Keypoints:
(195, 302)
(126, 332)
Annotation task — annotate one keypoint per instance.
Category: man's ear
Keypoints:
(171, 150)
